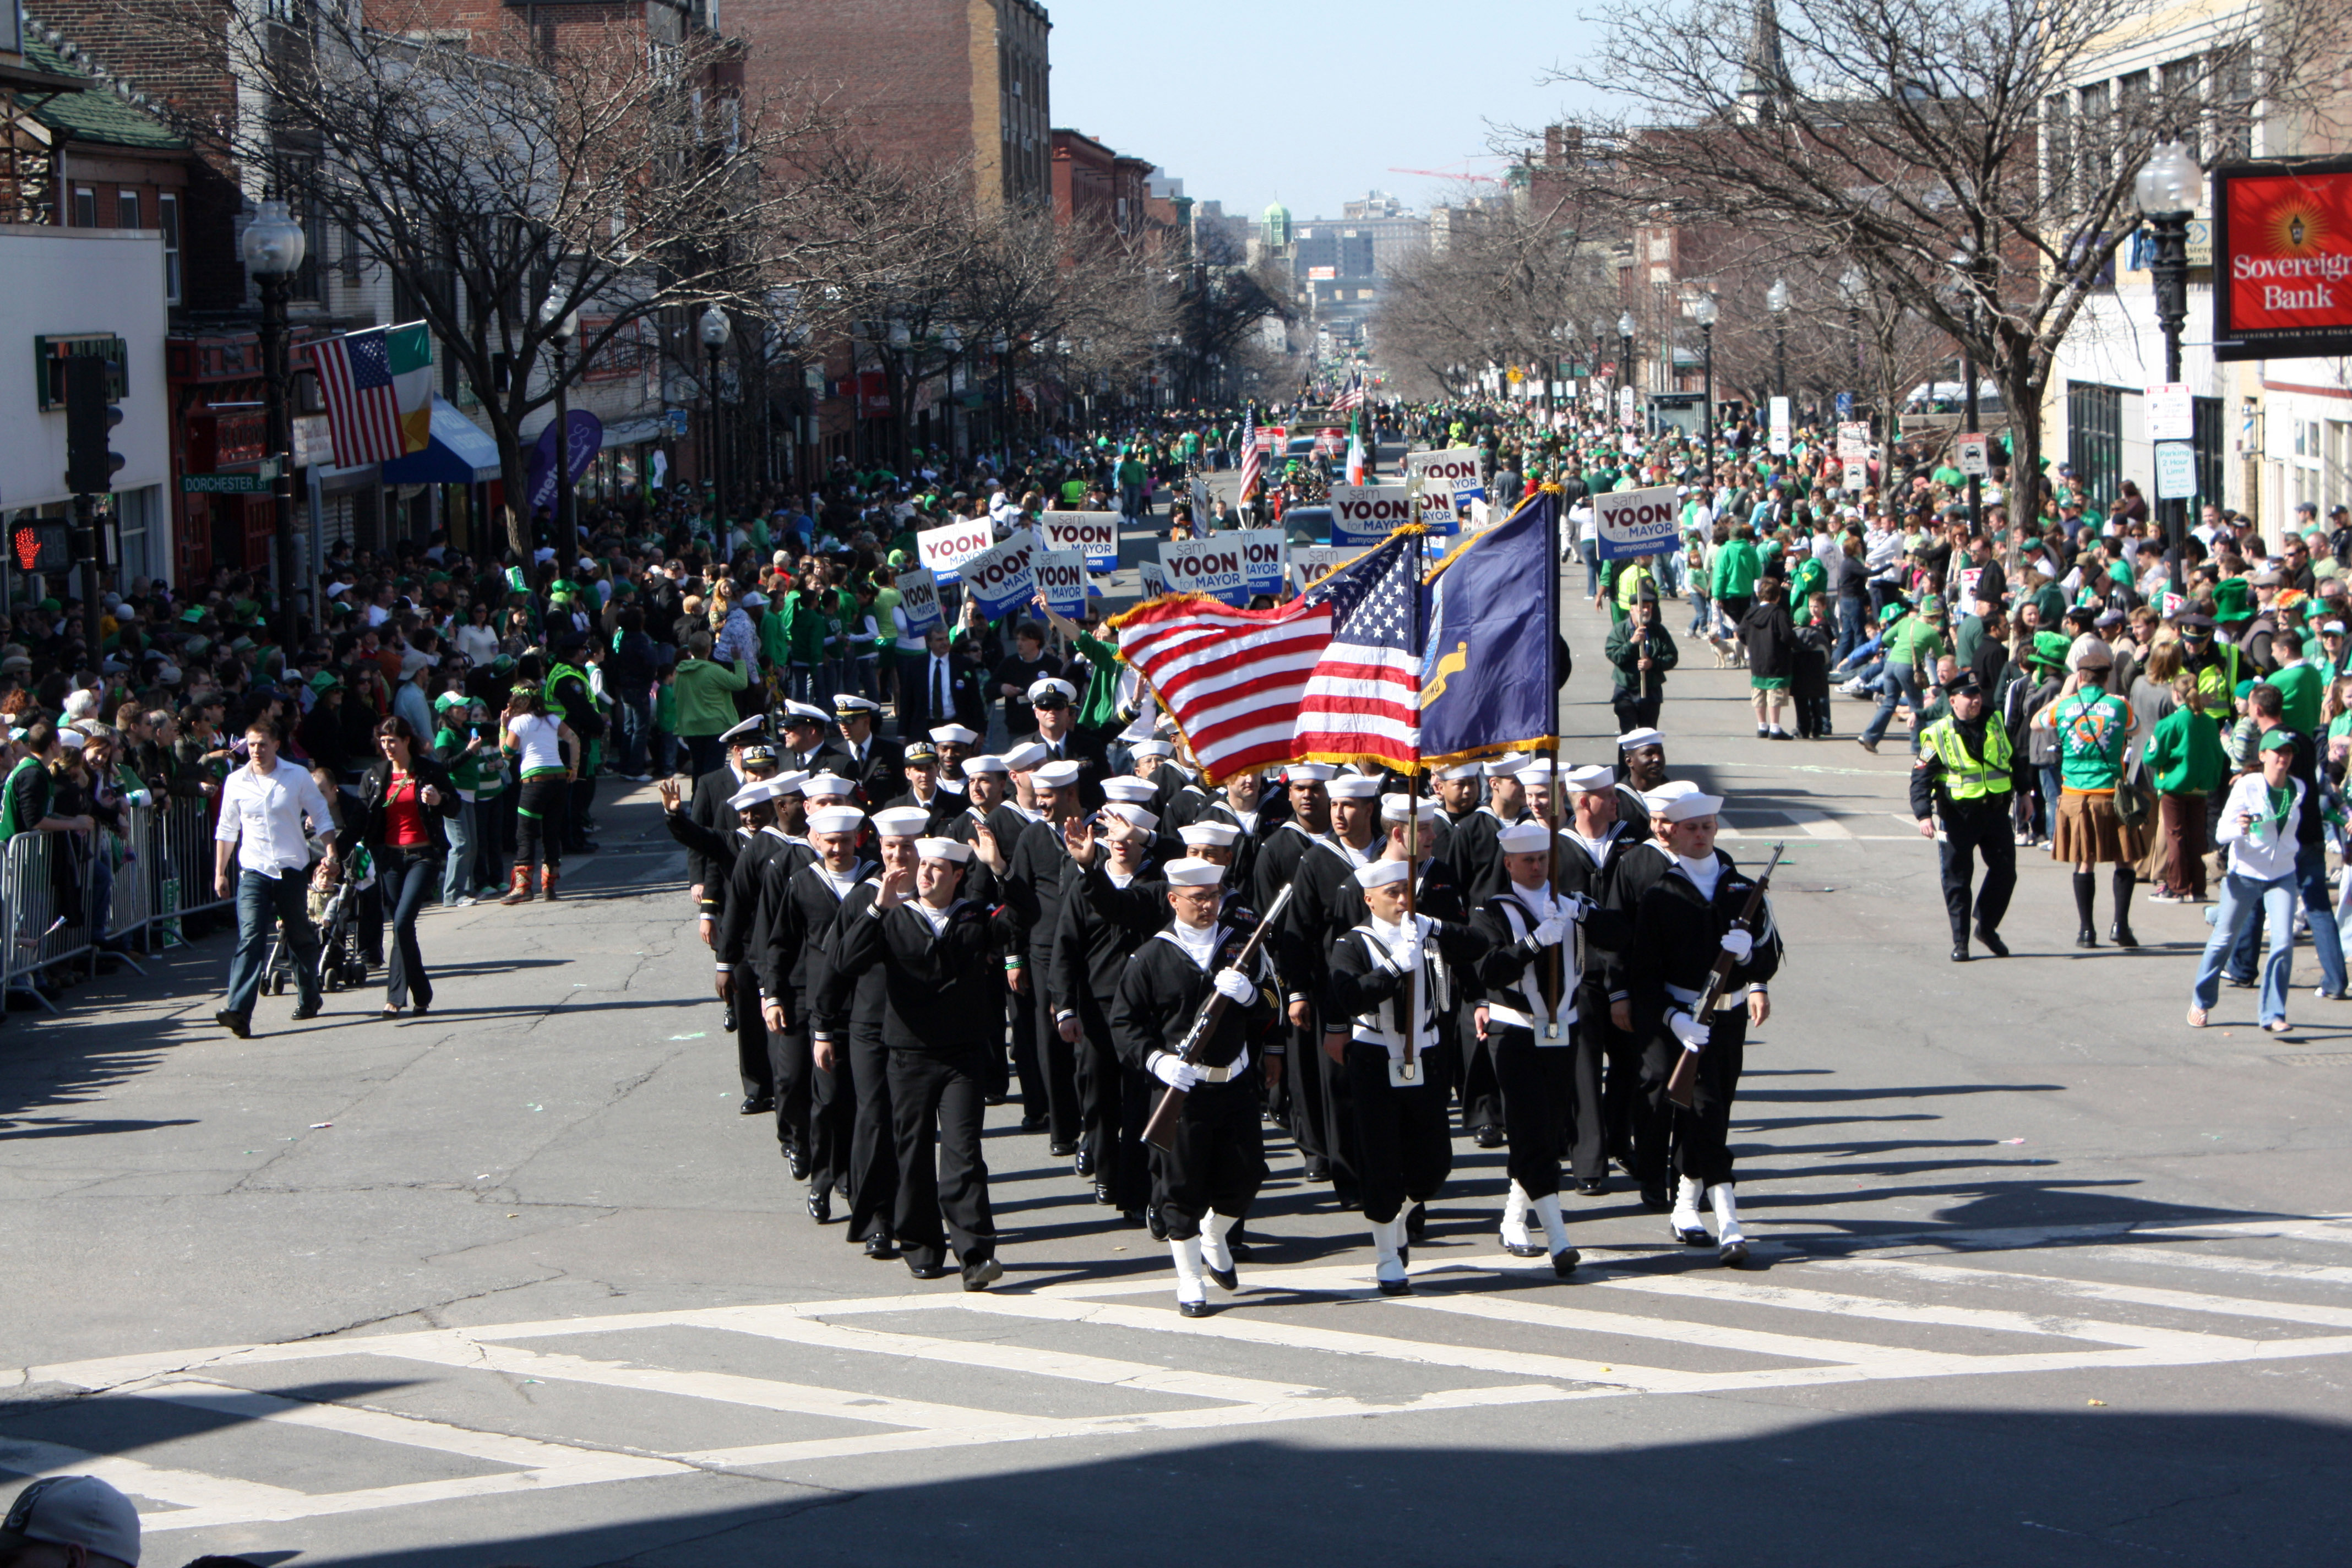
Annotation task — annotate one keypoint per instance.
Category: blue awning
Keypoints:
(458, 454)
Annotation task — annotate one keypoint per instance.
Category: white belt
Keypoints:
(1731, 1001)
(1499, 1014)
(1224, 1074)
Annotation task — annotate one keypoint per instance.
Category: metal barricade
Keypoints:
(45, 887)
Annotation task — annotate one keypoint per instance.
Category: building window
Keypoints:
(167, 218)
(126, 209)
(2058, 152)
(85, 207)
(2098, 165)
(2095, 439)
(2339, 463)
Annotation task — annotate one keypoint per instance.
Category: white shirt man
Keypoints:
(260, 853)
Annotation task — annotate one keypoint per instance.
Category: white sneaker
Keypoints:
(464, 902)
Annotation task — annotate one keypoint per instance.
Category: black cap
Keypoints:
(1964, 684)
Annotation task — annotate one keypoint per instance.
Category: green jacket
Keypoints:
(1735, 568)
(1097, 705)
(1625, 655)
(706, 703)
(2185, 756)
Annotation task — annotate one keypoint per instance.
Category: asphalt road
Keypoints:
(2047, 1277)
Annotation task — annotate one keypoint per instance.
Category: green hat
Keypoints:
(1931, 605)
(2050, 650)
(449, 699)
(2245, 689)
(1890, 615)
(193, 614)
(2229, 600)
(325, 680)
(2279, 739)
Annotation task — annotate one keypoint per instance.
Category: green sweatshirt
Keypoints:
(2185, 756)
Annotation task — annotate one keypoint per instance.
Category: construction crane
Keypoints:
(1443, 174)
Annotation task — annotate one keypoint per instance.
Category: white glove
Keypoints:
(1175, 1071)
(1548, 931)
(1236, 987)
(1407, 960)
(1577, 907)
(1688, 1030)
(1738, 943)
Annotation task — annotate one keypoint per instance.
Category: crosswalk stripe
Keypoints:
(1711, 1336)
(2096, 1290)
(2224, 1263)
(378, 1425)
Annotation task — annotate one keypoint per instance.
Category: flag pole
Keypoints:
(1413, 825)
(1553, 978)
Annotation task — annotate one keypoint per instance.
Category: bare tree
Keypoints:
(1930, 143)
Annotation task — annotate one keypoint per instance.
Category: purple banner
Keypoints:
(587, 433)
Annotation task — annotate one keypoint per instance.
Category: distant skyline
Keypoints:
(1246, 103)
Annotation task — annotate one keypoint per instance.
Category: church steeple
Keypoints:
(1764, 73)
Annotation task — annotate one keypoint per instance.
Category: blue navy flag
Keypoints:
(1487, 675)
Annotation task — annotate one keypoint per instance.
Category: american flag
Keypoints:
(356, 382)
(1251, 463)
(1353, 397)
(1332, 677)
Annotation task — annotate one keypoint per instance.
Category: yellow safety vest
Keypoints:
(555, 674)
(1966, 778)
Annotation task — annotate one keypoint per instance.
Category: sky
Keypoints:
(1248, 101)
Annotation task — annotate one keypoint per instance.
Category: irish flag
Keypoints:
(378, 388)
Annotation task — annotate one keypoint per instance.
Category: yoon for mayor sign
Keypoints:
(2283, 259)
(1637, 523)
(1093, 534)
(1365, 514)
(1003, 578)
(1210, 566)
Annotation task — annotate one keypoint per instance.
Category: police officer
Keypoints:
(1964, 775)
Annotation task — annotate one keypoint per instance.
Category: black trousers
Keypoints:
(1538, 1104)
(538, 821)
(1219, 1159)
(1101, 1087)
(937, 1101)
(873, 1153)
(1342, 1142)
(833, 1120)
(1634, 712)
(1405, 1148)
(1482, 1086)
(1608, 1094)
(1057, 1060)
(1700, 1136)
(1303, 1074)
(1969, 830)
(1023, 1006)
(752, 1063)
(408, 877)
(576, 806)
(1130, 1168)
(793, 1072)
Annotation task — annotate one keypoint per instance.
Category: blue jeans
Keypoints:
(259, 901)
(405, 875)
(632, 719)
(2240, 896)
(1896, 685)
(458, 874)
(1702, 613)
(2311, 887)
(1590, 550)
(1853, 616)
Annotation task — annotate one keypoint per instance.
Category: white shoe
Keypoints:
(465, 901)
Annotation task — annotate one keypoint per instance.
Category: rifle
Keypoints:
(1161, 1131)
(1682, 1085)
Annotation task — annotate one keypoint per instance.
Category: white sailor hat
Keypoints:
(1666, 794)
(1219, 834)
(1152, 749)
(805, 713)
(825, 785)
(1538, 770)
(1380, 873)
(1134, 792)
(943, 849)
(952, 734)
(976, 767)
(759, 792)
(1057, 775)
(849, 705)
(748, 728)
(1353, 786)
(1684, 807)
(1524, 838)
(1397, 807)
(1458, 772)
(1589, 781)
(1021, 759)
(1191, 873)
(789, 783)
(835, 819)
(902, 822)
(1130, 812)
(1051, 686)
(1634, 740)
(1306, 773)
(1507, 766)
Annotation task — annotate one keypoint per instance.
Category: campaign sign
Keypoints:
(919, 599)
(1311, 563)
(1450, 480)
(945, 550)
(1062, 581)
(1637, 523)
(1210, 566)
(1201, 503)
(1003, 578)
(1153, 579)
(1365, 514)
(1093, 534)
(1261, 558)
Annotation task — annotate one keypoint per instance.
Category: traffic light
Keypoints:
(90, 419)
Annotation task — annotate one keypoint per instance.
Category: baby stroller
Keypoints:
(333, 907)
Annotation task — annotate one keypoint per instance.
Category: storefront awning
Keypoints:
(635, 432)
(458, 454)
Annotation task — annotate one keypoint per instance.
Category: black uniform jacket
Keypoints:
(1677, 934)
(1162, 991)
(941, 993)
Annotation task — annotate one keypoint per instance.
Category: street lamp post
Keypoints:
(272, 249)
(1963, 265)
(713, 328)
(1852, 289)
(2168, 190)
(1776, 300)
(1626, 348)
(1703, 312)
(563, 326)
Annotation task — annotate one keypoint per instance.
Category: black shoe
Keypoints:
(1695, 1236)
(1346, 1203)
(1085, 1164)
(2121, 935)
(1395, 1287)
(1153, 1223)
(755, 1106)
(1033, 1124)
(799, 1161)
(979, 1276)
(1592, 1186)
(1992, 942)
(1416, 1223)
(310, 1010)
(1733, 1254)
(841, 1183)
(726, 1020)
(1103, 1192)
(1523, 1249)
(233, 1023)
(1130, 1218)
(1487, 1137)
(1194, 1309)
(1319, 1171)
(927, 1270)
(1062, 1150)
(879, 1246)
(1564, 1261)
(1960, 952)
(1241, 1250)
(2238, 984)
(820, 1204)
(1404, 1256)
(1226, 1278)
(2086, 937)
(1655, 1200)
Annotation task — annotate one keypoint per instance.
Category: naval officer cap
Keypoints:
(742, 734)
(799, 713)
